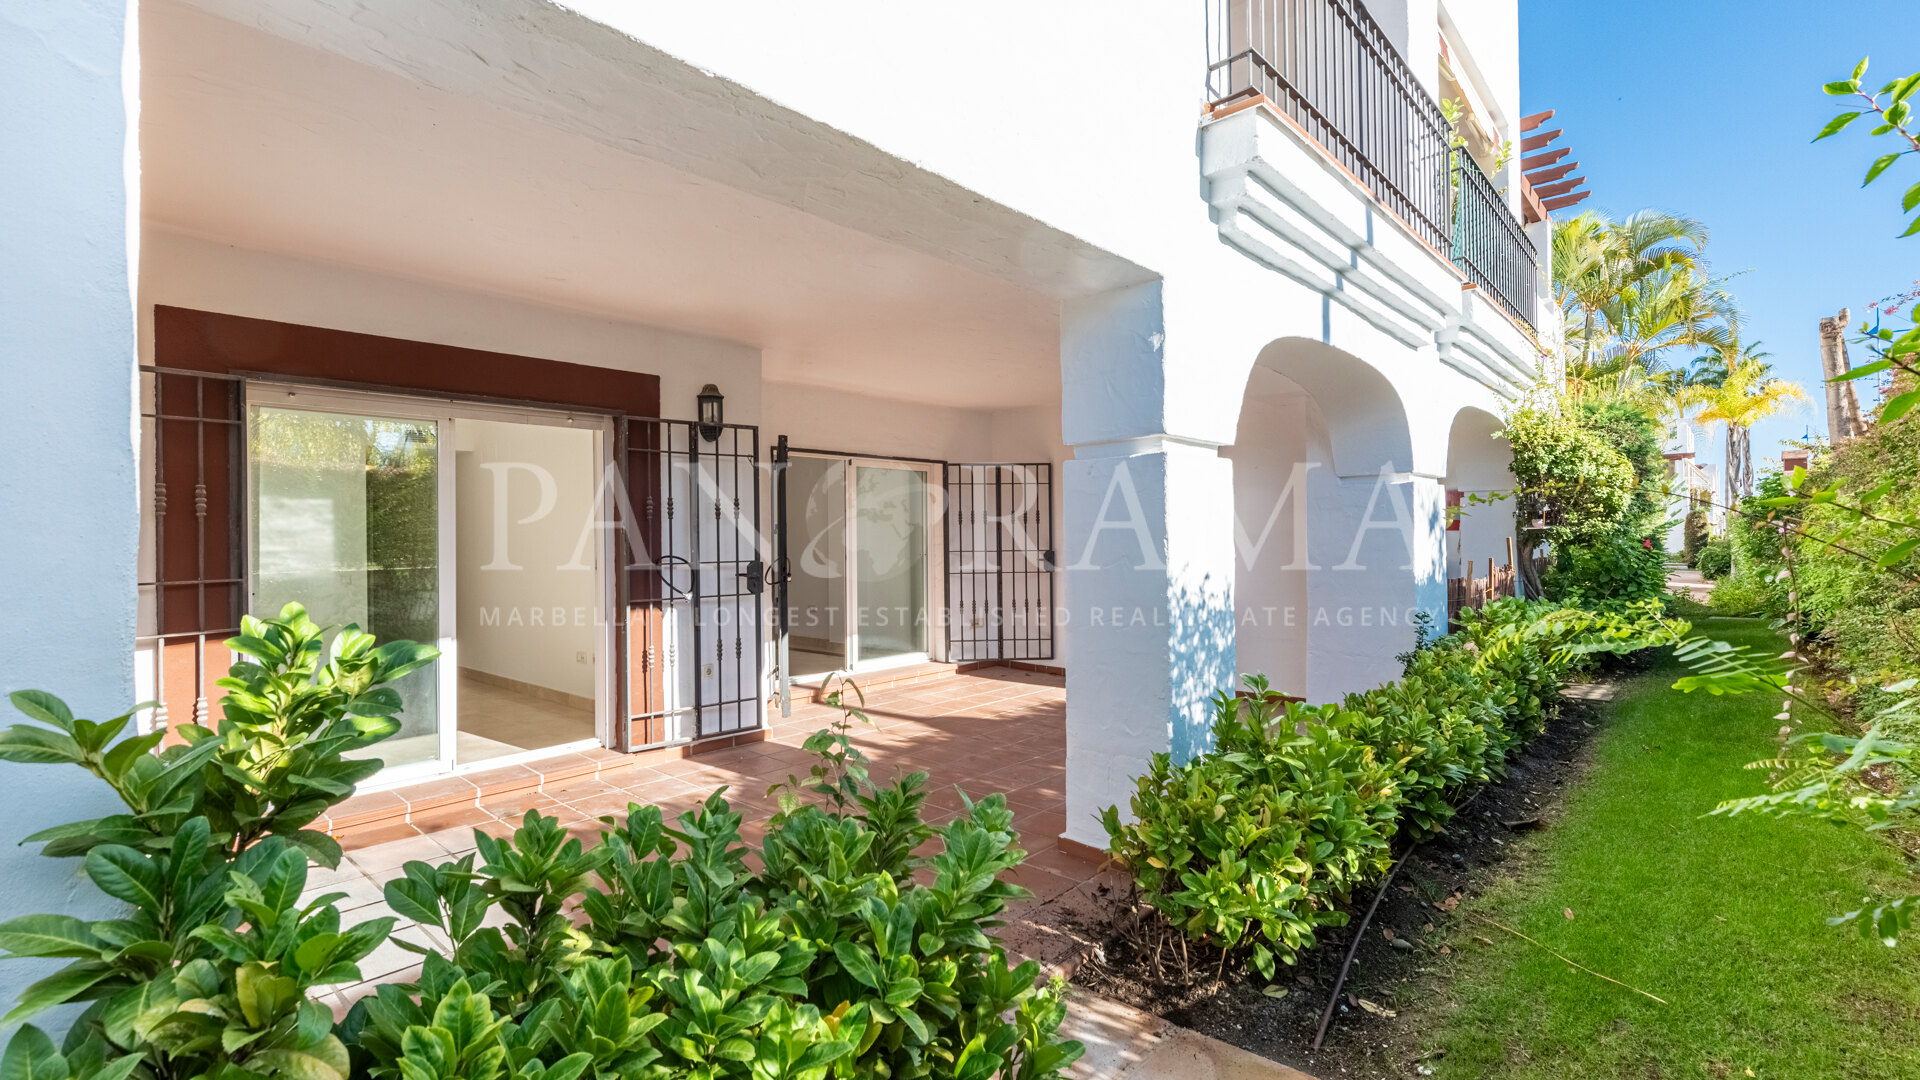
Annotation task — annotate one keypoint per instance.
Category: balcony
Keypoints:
(1328, 67)
(1489, 245)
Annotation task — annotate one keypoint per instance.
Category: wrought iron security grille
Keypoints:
(1330, 67)
(192, 580)
(1000, 562)
(1489, 246)
(692, 577)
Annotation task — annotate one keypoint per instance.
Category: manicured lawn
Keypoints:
(1724, 918)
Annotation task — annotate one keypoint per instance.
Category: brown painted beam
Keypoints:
(1566, 201)
(1548, 158)
(1548, 176)
(1554, 191)
(1535, 142)
(1531, 210)
(1528, 123)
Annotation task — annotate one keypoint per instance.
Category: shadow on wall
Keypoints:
(1202, 624)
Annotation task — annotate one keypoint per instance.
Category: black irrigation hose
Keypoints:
(1358, 935)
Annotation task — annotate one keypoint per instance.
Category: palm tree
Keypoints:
(1671, 308)
(1739, 390)
(1581, 284)
(1631, 290)
(1710, 369)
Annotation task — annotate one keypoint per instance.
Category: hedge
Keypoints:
(1251, 847)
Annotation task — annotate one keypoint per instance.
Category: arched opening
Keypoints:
(1479, 468)
(1336, 538)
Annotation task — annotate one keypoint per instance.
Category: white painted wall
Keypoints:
(1280, 431)
(68, 517)
(1414, 28)
(1479, 464)
(182, 270)
(854, 423)
(1488, 32)
(527, 610)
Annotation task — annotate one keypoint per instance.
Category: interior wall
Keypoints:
(526, 609)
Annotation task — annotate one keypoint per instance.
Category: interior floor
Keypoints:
(807, 663)
(498, 720)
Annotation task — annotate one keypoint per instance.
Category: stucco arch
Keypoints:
(1366, 421)
(1477, 457)
(1337, 546)
(1479, 463)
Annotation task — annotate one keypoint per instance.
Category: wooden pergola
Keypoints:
(1544, 184)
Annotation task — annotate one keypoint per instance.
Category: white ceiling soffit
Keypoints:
(543, 61)
(257, 141)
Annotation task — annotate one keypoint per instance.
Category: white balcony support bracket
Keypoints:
(1278, 198)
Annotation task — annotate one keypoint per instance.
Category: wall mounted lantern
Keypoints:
(712, 412)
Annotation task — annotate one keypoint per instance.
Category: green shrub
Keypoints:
(1249, 848)
(1567, 475)
(1693, 536)
(691, 964)
(1738, 596)
(1715, 559)
(657, 951)
(209, 971)
(1603, 574)
(1256, 843)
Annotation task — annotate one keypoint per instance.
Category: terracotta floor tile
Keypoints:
(367, 806)
(361, 891)
(447, 791)
(573, 791)
(1060, 862)
(379, 859)
(1044, 884)
(503, 779)
(514, 806)
(453, 825)
(613, 804)
(374, 835)
(986, 734)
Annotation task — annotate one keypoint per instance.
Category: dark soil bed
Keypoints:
(1367, 1036)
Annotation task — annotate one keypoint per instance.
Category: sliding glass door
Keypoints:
(889, 580)
(470, 527)
(345, 518)
(859, 530)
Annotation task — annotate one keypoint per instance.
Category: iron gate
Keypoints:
(999, 525)
(692, 576)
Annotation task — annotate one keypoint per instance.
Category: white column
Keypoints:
(1148, 558)
(69, 518)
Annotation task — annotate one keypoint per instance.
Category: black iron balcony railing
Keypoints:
(1330, 67)
(1488, 244)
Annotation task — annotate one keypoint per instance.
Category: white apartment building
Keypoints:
(652, 357)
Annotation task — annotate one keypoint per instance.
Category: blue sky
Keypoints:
(1707, 108)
